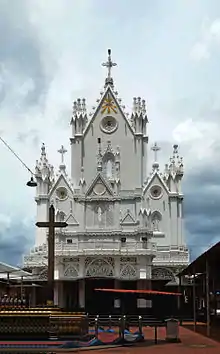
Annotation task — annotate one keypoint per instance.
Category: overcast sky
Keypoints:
(167, 52)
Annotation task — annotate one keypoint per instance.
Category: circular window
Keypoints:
(99, 189)
(156, 192)
(108, 124)
(62, 193)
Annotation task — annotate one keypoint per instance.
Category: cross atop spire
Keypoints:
(155, 148)
(109, 64)
(62, 151)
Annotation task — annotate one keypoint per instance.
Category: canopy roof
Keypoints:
(14, 272)
(7, 268)
(211, 256)
(150, 292)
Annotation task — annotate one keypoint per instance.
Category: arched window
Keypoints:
(156, 221)
(109, 166)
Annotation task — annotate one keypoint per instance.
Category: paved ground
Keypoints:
(191, 343)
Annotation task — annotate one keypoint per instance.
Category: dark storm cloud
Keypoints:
(202, 207)
(15, 242)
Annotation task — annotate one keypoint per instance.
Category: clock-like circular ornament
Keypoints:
(156, 192)
(62, 193)
(109, 124)
(99, 189)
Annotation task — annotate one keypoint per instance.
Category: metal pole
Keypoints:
(8, 283)
(179, 298)
(207, 299)
(21, 288)
(194, 301)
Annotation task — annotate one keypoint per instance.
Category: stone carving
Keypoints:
(128, 218)
(70, 272)
(131, 260)
(100, 215)
(99, 268)
(43, 274)
(162, 274)
(128, 271)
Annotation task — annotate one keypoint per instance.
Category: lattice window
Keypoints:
(128, 272)
(162, 273)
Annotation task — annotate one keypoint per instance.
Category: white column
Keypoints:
(82, 293)
(144, 281)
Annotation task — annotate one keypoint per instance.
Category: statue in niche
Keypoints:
(109, 166)
(156, 218)
(99, 215)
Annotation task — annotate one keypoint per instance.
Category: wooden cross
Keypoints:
(51, 224)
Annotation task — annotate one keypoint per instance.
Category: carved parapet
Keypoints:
(105, 248)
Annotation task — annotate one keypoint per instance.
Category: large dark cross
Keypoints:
(51, 224)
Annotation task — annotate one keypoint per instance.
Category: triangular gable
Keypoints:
(151, 179)
(128, 219)
(71, 220)
(58, 181)
(102, 189)
(108, 105)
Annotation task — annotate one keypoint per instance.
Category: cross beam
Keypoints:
(51, 224)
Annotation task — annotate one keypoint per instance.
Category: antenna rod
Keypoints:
(10, 149)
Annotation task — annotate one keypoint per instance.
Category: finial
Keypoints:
(43, 152)
(109, 65)
(175, 149)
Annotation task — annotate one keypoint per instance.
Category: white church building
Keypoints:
(125, 222)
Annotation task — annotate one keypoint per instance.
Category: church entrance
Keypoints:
(129, 301)
(99, 302)
(70, 293)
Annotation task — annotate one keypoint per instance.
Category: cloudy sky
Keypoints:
(167, 52)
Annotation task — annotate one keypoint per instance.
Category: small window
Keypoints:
(69, 240)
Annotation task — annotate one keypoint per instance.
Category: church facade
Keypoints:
(125, 223)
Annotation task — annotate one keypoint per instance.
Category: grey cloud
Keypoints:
(15, 242)
(31, 136)
(19, 51)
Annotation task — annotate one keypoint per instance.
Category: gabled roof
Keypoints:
(61, 176)
(99, 107)
(99, 177)
(155, 174)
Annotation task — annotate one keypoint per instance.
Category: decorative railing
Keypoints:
(93, 247)
(105, 247)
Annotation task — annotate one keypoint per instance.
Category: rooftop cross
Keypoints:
(109, 64)
(62, 151)
(155, 148)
